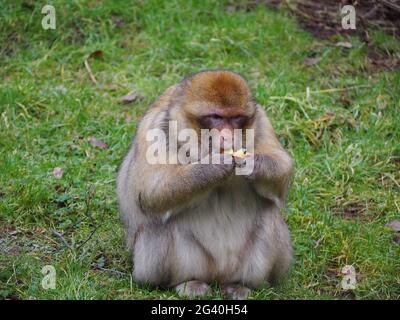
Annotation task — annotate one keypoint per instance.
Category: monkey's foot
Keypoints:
(235, 292)
(193, 289)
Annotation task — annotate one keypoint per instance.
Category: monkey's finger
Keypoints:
(239, 162)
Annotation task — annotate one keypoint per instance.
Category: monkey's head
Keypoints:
(218, 100)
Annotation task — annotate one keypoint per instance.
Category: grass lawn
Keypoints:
(344, 136)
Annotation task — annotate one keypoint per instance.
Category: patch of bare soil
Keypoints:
(353, 209)
(323, 20)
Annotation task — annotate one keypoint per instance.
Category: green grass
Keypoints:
(347, 180)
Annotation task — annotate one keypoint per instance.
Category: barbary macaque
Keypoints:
(193, 223)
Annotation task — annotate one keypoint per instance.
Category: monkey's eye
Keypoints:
(211, 121)
(215, 117)
(239, 122)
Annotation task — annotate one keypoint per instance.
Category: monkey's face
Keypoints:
(220, 102)
(224, 124)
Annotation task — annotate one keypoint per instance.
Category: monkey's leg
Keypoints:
(193, 289)
(152, 255)
(269, 256)
(165, 255)
(235, 291)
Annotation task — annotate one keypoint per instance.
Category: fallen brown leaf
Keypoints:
(119, 22)
(311, 61)
(58, 172)
(130, 97)
(349, 280)
(394, 225)
(97, 143)
(96, 54)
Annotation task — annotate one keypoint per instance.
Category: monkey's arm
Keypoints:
(158, 188)
(166, 187)
(272, 164)
(270, 176)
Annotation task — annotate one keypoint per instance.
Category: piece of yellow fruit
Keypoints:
(241, 153)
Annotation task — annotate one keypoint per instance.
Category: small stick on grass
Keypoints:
(62, 239)
(318, 242)
(112, 271)
(89, 70)
(89, 197)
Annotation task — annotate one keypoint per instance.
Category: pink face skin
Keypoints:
(226, 126)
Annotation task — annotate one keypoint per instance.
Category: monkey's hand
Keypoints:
(270, 176)
(268, 167)
(241, 161)
(217, 166)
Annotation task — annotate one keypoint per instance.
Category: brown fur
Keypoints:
(201, 222)
(223, 89)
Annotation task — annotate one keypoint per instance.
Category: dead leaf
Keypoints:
(348, 270)
(130, 97)
(119, 22)
(97, 143)
(344, 44)
(394, 225)
(58, 172)
(396, 239)
(96, 54)
(349, 280)
(311, 61)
